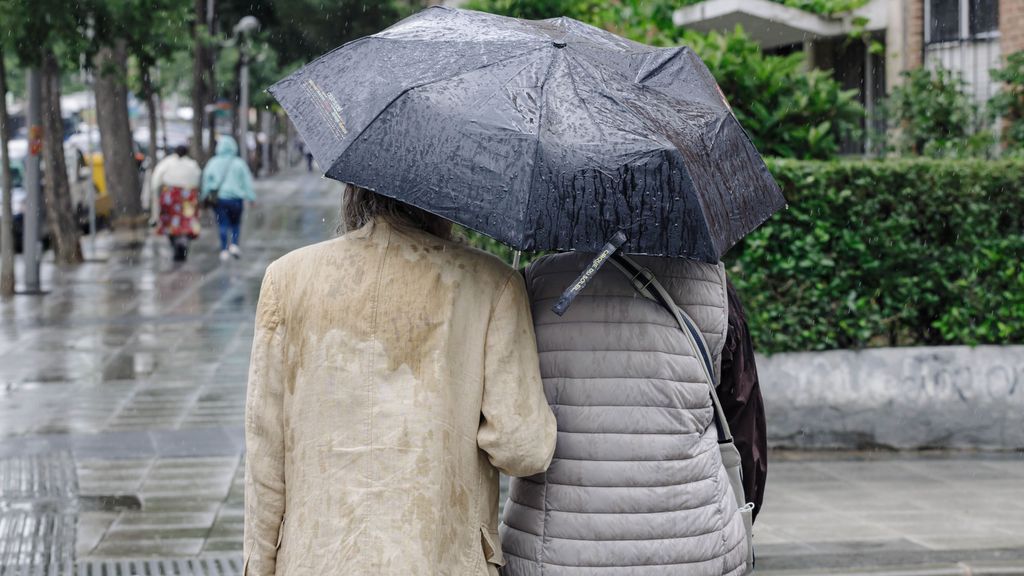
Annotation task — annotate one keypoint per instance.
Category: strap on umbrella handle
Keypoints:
(588, 273)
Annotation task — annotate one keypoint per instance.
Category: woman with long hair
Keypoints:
(394, 373)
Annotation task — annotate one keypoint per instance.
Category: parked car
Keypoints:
(17, 203)
(18, 149)
(90, 173)
(84, 170)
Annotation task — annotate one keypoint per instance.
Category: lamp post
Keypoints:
(90, 186)
(246, 25)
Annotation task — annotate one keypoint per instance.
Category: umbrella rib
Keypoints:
(661, 65)
(540, 132)
(586, 107)
(665, 148)
(628, 109)
(435, 81)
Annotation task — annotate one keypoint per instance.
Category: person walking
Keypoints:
(174, 204)
(227, 185)
(394, 372)
(637, 484)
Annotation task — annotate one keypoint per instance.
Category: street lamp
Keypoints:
(90, 87)
(245, 26)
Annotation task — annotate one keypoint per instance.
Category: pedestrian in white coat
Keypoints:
(174, 208)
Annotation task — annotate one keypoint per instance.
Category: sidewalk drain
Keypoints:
(227, 565)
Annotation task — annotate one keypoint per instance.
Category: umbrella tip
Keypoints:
(558, 43)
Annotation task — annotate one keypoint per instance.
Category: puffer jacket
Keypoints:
(227, 173)
(637, 485)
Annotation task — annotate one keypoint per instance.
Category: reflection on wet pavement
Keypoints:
(134, 369)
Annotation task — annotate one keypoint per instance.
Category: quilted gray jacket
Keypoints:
(637, 485)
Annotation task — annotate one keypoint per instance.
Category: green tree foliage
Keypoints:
(1008, 103)
(786, 109)
(648, 21)
(825, 7)
(31, 27)
(300, 30)
(660, 9)
(488, 244)
(934, 116)
(153, 29)
(265, 68)
(529, 9)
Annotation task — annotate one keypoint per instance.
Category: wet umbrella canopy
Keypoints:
(546, 135)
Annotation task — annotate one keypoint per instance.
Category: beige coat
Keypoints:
(393, 374)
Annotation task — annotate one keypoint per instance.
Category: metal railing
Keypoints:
(973, 58)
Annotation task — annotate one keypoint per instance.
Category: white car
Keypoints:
(17, 202)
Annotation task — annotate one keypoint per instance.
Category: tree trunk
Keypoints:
(289, 143)
(149, 92)
(211, 135)
(236, 98)
(60, 212)
(7, 218)
(122, 173)
(198, 82)
(149, 95)
(203, 87)
(163, 121)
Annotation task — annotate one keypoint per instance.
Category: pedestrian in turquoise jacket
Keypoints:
(228, 179)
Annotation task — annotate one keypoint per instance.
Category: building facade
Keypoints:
(870, 48)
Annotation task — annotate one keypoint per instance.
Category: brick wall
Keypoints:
(915, 33)
(1011, 26)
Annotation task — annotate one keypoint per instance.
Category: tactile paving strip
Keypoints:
(36, 543)
(39, 477)
(37, 514)
(226, 565)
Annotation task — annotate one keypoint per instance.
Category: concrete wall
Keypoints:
(949, 397)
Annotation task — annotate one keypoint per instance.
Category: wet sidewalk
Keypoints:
(122, 398)
(121, 449)
(887, 513)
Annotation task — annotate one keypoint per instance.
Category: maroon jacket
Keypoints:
(740, 394)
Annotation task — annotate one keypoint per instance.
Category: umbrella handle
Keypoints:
(588, 273)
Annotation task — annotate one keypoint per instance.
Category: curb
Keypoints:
(958, 569)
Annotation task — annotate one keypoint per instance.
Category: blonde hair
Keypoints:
(361, 206)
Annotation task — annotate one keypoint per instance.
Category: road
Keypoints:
(121, 447)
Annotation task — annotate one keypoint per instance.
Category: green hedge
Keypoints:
(884, 253)
(887, 253)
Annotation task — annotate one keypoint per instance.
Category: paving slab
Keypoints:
(134, 371)
(833, 512)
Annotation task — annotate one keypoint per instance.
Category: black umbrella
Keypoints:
(546, 135)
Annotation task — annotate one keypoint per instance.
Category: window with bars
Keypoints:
(983, 17)
(945, 20)
(952, 20)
